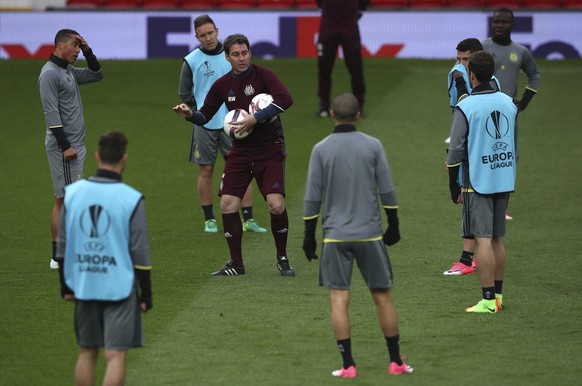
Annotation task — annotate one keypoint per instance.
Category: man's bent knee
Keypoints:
(276, 203)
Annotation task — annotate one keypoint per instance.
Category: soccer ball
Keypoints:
(231, 117)
(259, 102)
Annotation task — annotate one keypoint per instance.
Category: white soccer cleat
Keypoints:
(53, 264)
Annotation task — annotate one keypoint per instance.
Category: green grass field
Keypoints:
(264, 329)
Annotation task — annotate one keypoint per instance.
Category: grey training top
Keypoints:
(509, 60)
(348, 171)
(61, 101)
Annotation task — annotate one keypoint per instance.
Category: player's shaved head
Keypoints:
(345, 108)
(112, 147)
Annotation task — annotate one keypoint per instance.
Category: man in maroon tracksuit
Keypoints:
(339, 26)
(260, 155)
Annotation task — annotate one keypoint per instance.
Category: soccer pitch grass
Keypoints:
(264, 329)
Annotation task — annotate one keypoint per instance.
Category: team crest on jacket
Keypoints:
(249, 90)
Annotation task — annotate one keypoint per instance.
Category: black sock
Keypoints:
(345, 347)
(488, 293)
(466, 258)
(393, 343)
(208, 212)
(498, 286)
(54, 249)
(247, 212)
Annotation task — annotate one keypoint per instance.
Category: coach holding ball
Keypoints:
(261, 155)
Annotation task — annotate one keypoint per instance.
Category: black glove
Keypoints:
(144, 279)
(455, 190)
(309, 243)
(309, 247)
(454, 187)
(146, 297)
(525, 99)
(392, 234)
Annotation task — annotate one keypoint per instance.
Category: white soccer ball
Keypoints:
(259, 102)
(231, 117)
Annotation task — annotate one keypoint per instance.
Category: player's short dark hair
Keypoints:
(203, 19)
(235, 39)
(482, 64)
(345, 107)
(64, 34)
(112, 147)
(504, 10)
(469, 44)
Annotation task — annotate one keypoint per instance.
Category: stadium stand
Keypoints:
(389, 4)
(84, 3)
(511, 4)
(428, 3)
(161, 4)
(308, 4)
(572, 4)
(199, 4)
(466, 3)
(542, 4)
(237, 4)
(311, 4)
(275, 4)
(122, 4)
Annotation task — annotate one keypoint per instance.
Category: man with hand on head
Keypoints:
(61, 101)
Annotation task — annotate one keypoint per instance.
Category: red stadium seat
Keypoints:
(389, 4)
(84, 3)
(161, 4)
(311, 4)
(542, 4)
(123, 4)
(237, 4)
(466, 3)
(275, 4)
(511, 4)
(428, 3)
(199, 4)
(572, 3)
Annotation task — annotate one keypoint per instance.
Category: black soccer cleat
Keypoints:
(229, 270)
(284, 267)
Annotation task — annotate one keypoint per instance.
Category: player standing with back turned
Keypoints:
(348, 174)
(483, 142)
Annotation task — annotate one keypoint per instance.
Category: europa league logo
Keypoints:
(497, 125)
(95, 221)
